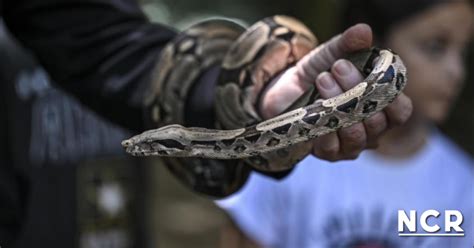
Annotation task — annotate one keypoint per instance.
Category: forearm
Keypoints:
(102, 52)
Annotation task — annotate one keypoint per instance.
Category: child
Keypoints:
(415, 167)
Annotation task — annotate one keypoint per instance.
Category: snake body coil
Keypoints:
(248, 62)
(383, 84)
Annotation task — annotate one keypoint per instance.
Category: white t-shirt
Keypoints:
(356, 203)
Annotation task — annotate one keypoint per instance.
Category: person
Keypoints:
(415, 167)
(60, 163)
(103, 53)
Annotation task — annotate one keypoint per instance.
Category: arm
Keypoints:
(100, 51)
(103, 52)
(12, 194)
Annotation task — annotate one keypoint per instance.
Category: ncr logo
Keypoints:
(430, 221)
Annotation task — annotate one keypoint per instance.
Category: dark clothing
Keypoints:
(101, 51)
(47, 137)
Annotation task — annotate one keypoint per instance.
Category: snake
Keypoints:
(262, 52)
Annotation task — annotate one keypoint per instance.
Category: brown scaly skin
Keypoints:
(262, 52)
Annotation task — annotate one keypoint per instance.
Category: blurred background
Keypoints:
(117, 201)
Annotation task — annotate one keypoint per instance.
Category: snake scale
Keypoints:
(262, 52)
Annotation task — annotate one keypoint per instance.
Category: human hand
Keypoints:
(346, 143)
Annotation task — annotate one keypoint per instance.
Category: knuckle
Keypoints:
(355, 135)
(328, 152)
(376, 123)
(352, 152)
(330, 149)
(330, 158)
(372, 124)
(403, 115)
(403, 112)
(408, 109)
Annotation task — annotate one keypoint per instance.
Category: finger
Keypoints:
(346, 74)
(327, 85)
(327, 146)
(280, 94)
(399, 111)
(355, 38)
(352, 139)
(375, 126)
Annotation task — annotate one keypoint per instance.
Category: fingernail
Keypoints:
(342, 67)
(326, 81)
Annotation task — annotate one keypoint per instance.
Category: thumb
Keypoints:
(355, 38)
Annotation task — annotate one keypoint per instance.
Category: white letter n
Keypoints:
(404, 220)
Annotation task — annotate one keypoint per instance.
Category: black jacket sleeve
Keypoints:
(101, 51)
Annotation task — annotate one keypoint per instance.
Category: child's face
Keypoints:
(432, 45)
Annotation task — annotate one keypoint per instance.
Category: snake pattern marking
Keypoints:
(323, 116)
(385, 79)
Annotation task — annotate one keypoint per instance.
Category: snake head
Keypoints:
(126, 143)
(132, 147)
(138, 147)
(146, 145)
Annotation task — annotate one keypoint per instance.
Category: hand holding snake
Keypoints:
(348, 142)
(266, 49)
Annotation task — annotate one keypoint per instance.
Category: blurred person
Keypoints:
(415, 167)
(103, 53)
(64, 177)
